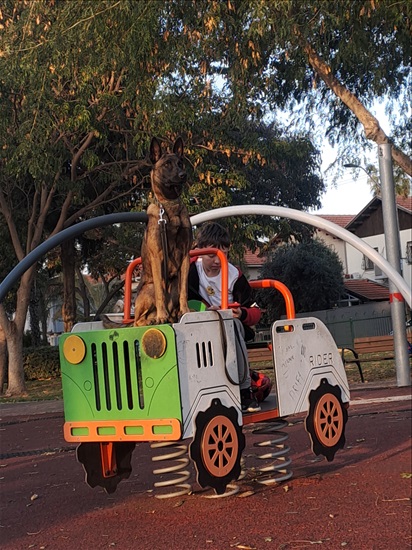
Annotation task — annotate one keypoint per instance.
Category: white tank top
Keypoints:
(210, 288)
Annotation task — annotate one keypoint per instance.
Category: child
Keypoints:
(205, 285)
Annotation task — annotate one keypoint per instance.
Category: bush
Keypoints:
(41, 363)
(311, 270)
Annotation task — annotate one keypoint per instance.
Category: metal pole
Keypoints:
(392, 244)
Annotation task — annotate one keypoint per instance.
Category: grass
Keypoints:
(375, 371)
(38, 390)
(51, 388)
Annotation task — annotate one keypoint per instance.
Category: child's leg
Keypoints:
(241, 355)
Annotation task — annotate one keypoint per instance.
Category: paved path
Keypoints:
(34, 408)
(360, 501)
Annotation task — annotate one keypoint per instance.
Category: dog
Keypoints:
(162, 291)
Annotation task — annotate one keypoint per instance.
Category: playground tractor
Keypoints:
(168, 383)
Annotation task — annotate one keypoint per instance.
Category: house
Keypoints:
(364, 282)
(252, 262)
(368, 225)
(335, 243)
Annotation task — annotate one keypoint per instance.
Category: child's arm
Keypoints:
(242, 293)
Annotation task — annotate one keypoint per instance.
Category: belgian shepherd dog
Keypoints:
(162, 291)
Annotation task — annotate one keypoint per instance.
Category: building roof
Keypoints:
(367, 290)
(253, 259)
(404, 204)
(341, 220)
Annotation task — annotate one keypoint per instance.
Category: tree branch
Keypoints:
(4, 208)
(373, 131)
(76, 157)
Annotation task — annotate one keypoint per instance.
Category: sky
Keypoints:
(350, 194)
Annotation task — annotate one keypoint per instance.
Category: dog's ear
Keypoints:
(178, 147)
(155, 150)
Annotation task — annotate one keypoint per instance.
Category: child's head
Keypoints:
(213, 235)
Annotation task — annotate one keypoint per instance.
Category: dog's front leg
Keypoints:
(183, 286)
(160, 292)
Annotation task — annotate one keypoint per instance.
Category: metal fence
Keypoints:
(347, 323)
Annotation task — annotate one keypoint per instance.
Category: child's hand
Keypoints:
(237, 312)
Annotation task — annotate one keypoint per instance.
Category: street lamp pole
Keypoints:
(392, 245)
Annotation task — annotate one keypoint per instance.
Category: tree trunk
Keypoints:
(16, 383)
(84, 295)
(14, 335)
(68, 257)
(3, 360)
(43, 318)
(34, 317)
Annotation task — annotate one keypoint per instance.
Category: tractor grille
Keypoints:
(117, 376)
(204, 354)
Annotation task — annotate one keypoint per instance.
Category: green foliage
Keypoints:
(86, 88)
(85, 85)
(311, 270)
(41, 363)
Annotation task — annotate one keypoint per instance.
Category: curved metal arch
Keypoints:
(77, 229)
(228, 211)
(316, 221)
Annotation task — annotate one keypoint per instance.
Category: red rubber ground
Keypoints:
(360, 501)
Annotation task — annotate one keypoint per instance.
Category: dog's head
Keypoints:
(168, 174)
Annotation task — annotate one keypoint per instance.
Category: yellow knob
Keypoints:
(74, 349)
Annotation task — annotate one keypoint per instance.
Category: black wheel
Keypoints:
(217, 446)
(326, 420)
(90, 456)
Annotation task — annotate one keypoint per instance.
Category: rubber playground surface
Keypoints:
(361, 500)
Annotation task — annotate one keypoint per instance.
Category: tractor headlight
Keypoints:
(74, 349)
(154, 343)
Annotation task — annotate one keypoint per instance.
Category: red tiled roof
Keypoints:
(251, 258)
(404, 202)
(369, 290)
(341, 220)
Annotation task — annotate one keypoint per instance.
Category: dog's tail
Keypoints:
(108, 323)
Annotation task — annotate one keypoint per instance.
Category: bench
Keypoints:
(383, 345)
(259, 352)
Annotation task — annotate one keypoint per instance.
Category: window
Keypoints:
(409, 252)
(367, 262)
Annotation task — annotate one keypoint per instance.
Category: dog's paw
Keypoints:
(183, 310)
(159, 321)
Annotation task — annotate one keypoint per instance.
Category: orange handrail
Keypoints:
(224, 270)
(128, 289)
(261, 283)
(197, 252)
(283, 289)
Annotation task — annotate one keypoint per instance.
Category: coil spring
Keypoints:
(176, 454)
(231, 488)
(277, 470)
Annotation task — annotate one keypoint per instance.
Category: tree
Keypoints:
(85, 85)
(83, 88)
(311, 270)
(331, 60)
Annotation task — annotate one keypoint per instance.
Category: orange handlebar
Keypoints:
(128, 289)
(263, 283)
(199, 252)
(283, 289)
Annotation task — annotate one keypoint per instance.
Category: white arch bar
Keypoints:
(316, 221)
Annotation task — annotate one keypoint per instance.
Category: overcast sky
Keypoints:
(350, 194)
